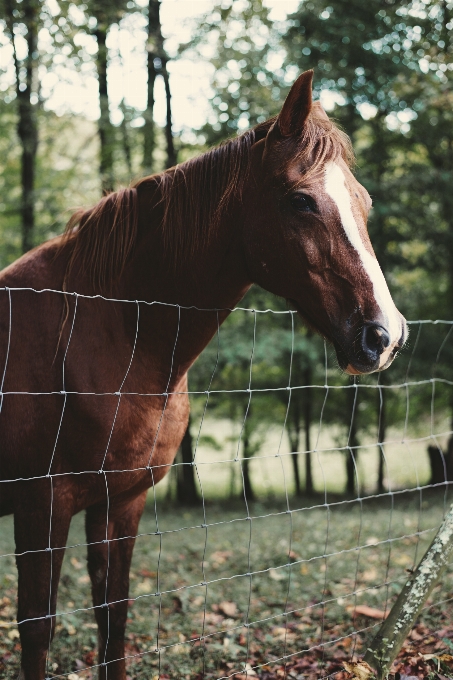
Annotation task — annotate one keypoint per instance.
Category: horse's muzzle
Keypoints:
(371, 350)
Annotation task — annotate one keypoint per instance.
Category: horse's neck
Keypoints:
(214, 279)
(214, 275)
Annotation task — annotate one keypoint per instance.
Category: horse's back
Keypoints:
(42, 267)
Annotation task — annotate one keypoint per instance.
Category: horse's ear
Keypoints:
(320, 113)
(297, 106)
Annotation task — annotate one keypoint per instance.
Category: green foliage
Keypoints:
(66, 177)
(248, 86)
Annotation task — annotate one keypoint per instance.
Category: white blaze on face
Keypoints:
(335, 186)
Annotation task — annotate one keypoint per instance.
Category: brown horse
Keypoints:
(93, 406)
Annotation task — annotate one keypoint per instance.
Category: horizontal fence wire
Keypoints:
(315, 493)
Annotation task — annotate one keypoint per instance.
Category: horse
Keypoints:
(99, 326)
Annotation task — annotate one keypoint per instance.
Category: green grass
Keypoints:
(285, 554)
(407, 463)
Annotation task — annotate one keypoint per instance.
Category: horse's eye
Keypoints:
(303, 203)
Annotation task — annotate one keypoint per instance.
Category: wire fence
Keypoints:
(253, 578)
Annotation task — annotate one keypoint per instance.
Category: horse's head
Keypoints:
(307, 240)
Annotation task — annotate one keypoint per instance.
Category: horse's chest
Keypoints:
(142, 445)
(147, 435)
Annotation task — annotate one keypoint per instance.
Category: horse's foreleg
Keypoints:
(108, 565)
(40, 541)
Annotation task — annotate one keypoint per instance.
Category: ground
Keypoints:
(283, 594)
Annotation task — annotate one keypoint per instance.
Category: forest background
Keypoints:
(383, 70)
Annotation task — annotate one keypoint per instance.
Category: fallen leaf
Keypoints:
(212, 618)
(370, 574)
(90, 658)
(249, 670)
(446, 658)
(276, 575)
(228, 608)
(76, 563)
(282, 633)
(372, 540)
(359, 671)
(145, 586)
(13, 634)
(147, 574)
(370, 612)
(415, 635)
(221, 556)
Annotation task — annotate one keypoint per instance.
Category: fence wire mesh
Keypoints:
(314, 495)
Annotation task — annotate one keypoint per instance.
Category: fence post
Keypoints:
(387, 643)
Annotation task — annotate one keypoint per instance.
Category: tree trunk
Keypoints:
(149, 137)
(247, 452)
(352, 454)
(382, 427)
(436, 464)
(417, 588)
(126, 142)
(105, 128)
(171, 153)
(248, 489)
(186, 488)
(27, 127)
(293, 437)
(307, 424)
(293, 430)
(157, 65)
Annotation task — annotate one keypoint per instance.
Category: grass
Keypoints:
(407, 463)
(309, 570)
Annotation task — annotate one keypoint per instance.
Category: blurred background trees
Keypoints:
(383, 70)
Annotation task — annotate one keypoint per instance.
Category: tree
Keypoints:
(105, 14)
(186, 488)
(157, 61)
(25, 18)
(248, 88)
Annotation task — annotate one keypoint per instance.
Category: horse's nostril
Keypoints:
(375, 339)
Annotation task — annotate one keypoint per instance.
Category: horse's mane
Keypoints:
(194, 196)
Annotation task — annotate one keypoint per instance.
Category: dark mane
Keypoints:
(194, 195)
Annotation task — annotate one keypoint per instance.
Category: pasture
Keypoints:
(280, 586)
